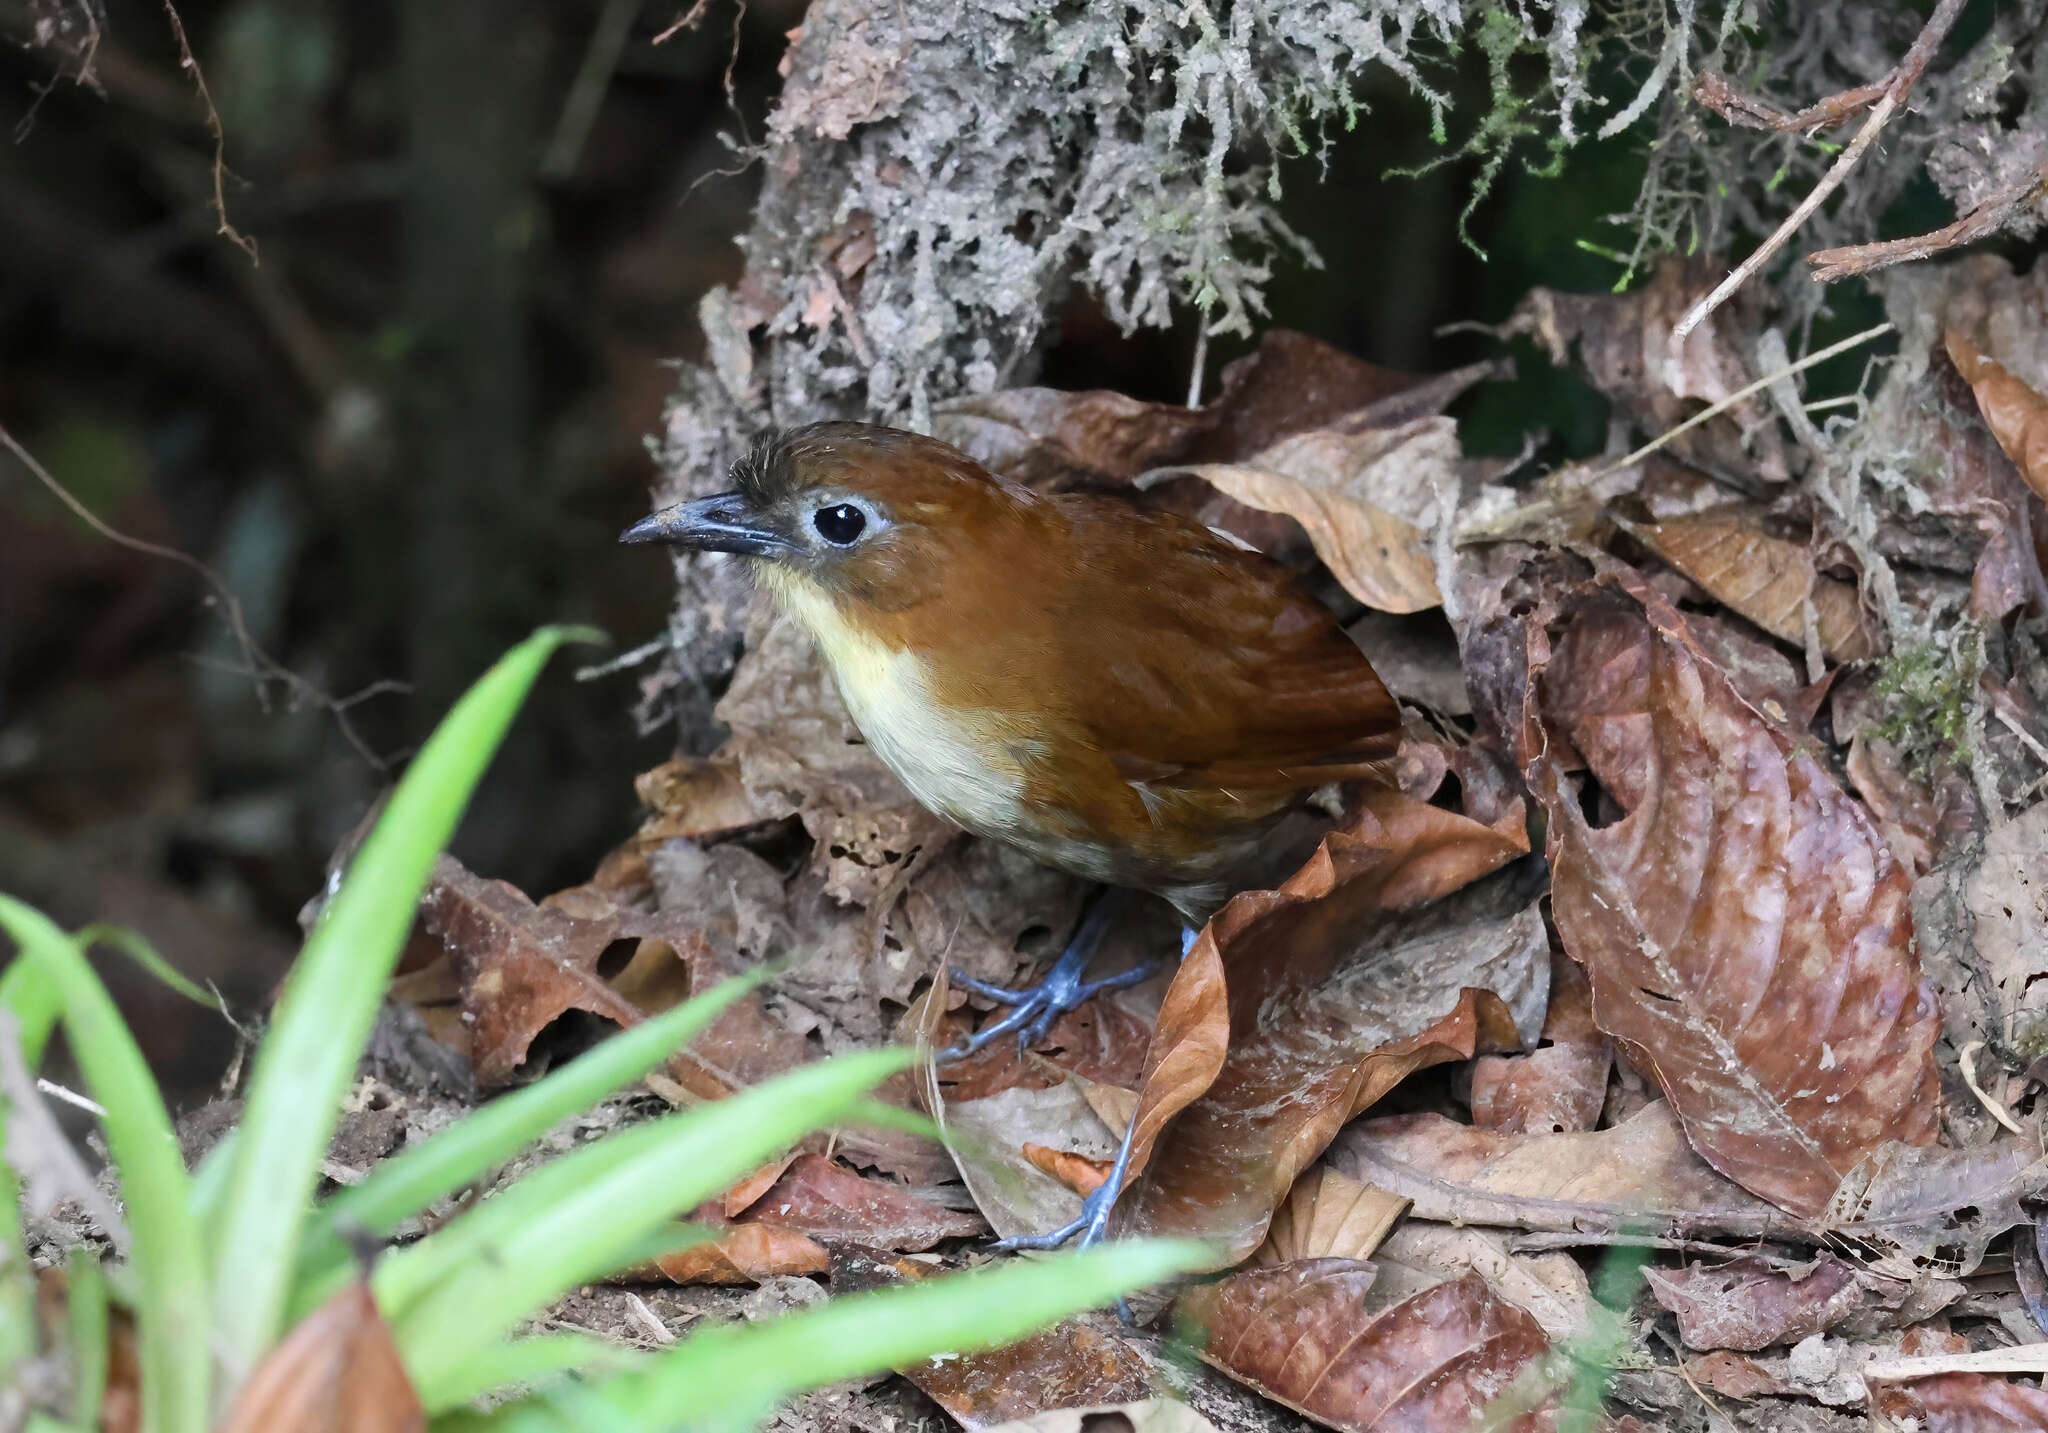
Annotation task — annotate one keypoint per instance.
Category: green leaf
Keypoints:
(745, 1368)
(456, 1292)
(138, 949)
(168, 1257)
(85, 1300)
(537, 1361)
(305, 1063)
(35, 1005)
(463, 1153)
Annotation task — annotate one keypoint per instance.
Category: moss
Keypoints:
(1927, 690)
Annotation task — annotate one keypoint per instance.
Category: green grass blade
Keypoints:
(534, 1362)
(747, 1367)
(464, 1152)
(132, 944)
(304, 1065)
(542, 1241)
(32, 998)
(86, 1315)
(168, 1257)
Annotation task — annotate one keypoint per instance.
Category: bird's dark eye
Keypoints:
(841, 523)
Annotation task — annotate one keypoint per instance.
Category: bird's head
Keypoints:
(861, 515)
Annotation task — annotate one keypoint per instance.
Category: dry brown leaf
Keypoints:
(1983, 919)
(1734, 1376)
(1300, 1334)
(821, 1197)
(336, 1372)
(1100, 1042)
(1745, 927)
(1550, 1287)
(1641, 1174)
(1329, 1215)
(696, 798)
(1746, 1304)
(1770, 580)
(1382, 560)
(986, 1138)
(1964, 1403)
(743, 1254)
(743, 1196)
(1622, 341)
(2015, 413)
(1328, 1004)
(1078, 1172)
(1558, 1088)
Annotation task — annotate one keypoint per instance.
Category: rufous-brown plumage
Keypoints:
(1117, 690)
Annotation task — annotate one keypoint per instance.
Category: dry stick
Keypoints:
(1741, 393)
(1896, 87)
(2021, 1358)
(262, 667)
(220, 140)
(1988, 218)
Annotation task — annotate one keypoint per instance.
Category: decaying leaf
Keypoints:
(1964, 1403)
(1746, 1304)
(1550, 1287)
(1746, 930)
(1328, 1215)
(1300, 1334)
(743, 1254)
(1770, 580)
(987, 1137)
(1559, 1087)
(1982, 913)
(1329, 1002)
(1639, 1176)
(1623, 342)
(2016, 414)
(821, 1197)
(336, 1372)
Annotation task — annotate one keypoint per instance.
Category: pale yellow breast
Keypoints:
(932, 748)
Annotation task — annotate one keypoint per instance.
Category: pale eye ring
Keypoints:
(841, 524)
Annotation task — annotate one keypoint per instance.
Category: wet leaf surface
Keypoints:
(1300, 1334)
(1746, 930)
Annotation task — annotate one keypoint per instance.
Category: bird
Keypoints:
(1117, 690)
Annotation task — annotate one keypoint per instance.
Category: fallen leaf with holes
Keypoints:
(1301, 1334)
(2015, 412)
(1770, 580)
(1640, 1174)
(822, 1198)
(1329, 1215)
(1559, 1087)
(1745, 927)
(1982, 914)
(337, 1371)
(1150, 1415)
(744, 1253)
(1356, 972)
(1964, 1403)
(1746, 1304)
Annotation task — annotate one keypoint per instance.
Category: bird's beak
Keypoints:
(723, 522)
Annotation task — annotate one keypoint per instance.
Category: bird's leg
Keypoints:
(1036, 1007)
(1096, 1206)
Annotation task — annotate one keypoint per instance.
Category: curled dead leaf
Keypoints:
(1559, 1087)
(1745, 928)
(1300, 1333)
(1078, 1172)
(744, 1254)
(2014, 411)
(1327, 1004)
(1329, 1215)
(337, 1371)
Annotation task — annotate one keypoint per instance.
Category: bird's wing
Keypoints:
(1220, 672)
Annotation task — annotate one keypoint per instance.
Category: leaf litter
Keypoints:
(1422, 1092)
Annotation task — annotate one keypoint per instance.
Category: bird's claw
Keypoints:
(1095, 1210)
(1034, 1010)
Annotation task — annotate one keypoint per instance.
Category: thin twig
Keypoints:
(261, 667)
(220, 140)
(687, 21)
(66, 1095)
(1890, 94)
(1198, 368)
(2021, 1358)
(1988, 218)
(1736, 397)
